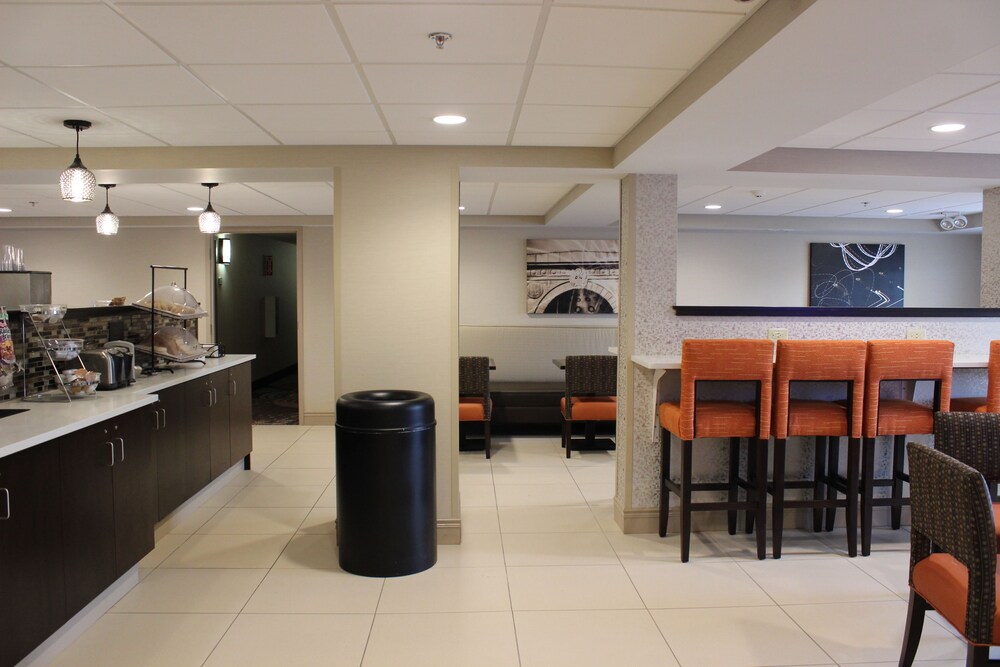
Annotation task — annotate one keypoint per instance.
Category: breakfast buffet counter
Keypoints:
(46, 421)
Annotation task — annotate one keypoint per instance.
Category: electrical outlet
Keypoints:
(915, 333)
(777, 334)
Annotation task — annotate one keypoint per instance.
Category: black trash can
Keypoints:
(386, 507)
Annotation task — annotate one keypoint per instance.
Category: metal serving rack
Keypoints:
(56, 395)
(155, 367)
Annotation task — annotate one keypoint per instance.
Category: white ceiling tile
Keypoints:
(600, 86)
(47, 125)
(598, 120)
(566, 139)
(480, 33)
(226, 34)
(814, 141)
(235, 197)
(722, 6)
(278, 118)
(202, 125)
(307, 198)
(332, 137)
(987, 62)
(440, 138)
(933, 91)
(989, 144)
(22, 91)
(419, 118)
(475, 197)
(11, 139)
(72, 36)
(155, 85)
(873, 143)
(688, 194)
(940, 203)
(285, 84)
(162, 198)
(799, 203)
(918, 128)
(872, 204)
(631, 38)
(528, 198)
(428, 84)
(738, 200)
(858, 123)
(983, 102)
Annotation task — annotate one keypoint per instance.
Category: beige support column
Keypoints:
(396, 294)
(989, 272)
(648, 287)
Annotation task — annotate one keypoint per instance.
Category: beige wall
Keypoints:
(317, 392)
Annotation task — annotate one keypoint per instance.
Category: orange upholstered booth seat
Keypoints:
(990, 402)
(591, 408)
(905, 360)
(943, 581)
(715, 419)
(472, 410)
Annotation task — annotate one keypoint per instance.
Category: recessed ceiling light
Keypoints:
(948, 127)
(449, 120)
(461, 208)
(196, 209)
(6, 210)
(713, 207)
(893, 210)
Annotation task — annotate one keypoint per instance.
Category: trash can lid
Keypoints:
(385, 409)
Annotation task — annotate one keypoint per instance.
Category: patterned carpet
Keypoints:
(277, 400)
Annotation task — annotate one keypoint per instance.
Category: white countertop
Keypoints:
(45, 421)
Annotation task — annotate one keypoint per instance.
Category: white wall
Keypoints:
(759, 261)
(492, 276)
(317, 392)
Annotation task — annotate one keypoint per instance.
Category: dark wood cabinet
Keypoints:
(197, 435)
(32, 586)
(108, 484)
(168, 419)
(240, 413)
(219, 422)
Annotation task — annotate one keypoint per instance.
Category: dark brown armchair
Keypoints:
(591, 393)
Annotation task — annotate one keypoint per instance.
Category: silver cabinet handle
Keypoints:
(208, 392)
(232, 383)
(112, 445)
(156, 413)
(215, 396)
(121, 449)
(164, 410)
(6, 495)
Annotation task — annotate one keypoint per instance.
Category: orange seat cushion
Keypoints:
(901, 417)
(944, 583)
(471, 410)
(816, 418)
(714, 419)
(969, 404)
(996, 523)
(592, 408)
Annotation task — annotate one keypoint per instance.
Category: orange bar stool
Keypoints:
(591, 393)
(991, 401)
(474, 402)
(898, 360)
(839, 361)
(709, 361)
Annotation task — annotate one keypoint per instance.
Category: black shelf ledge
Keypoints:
(858, 313)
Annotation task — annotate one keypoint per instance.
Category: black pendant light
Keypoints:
(209, 222)
(77, 183)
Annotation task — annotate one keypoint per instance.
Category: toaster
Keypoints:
(108, 363)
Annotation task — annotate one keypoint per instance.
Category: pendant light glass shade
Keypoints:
(107, 221)
(77, 183)
(209, 222)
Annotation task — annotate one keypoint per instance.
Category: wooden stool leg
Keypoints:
(486, 438)
(819, 477)
(686, 452)
(665, 440)
(853, 462)
(761, 497)
(898, 457)
(867, 493)
(734, 475)
(914, 626)
(832, 470)
(748, 519)
(778, 504)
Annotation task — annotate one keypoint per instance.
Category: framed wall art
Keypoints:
(572, 277)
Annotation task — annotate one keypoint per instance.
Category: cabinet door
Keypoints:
(219, 383)
(32, 587)
(168, 419)
(240, 413)
(197, 436)
(86, 458)
(134, 476)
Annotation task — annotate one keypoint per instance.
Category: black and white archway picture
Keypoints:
(856, 275)
(572, 277)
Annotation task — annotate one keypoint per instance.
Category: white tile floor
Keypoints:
(543, 578)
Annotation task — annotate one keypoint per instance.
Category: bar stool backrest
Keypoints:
(907, 360)
(971, 437)
(993, 378)
(941, 490)
(721, 360)
(818, 361)
(474, 379)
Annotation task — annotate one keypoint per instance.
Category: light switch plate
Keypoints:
(777, 334)
(916, 333)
